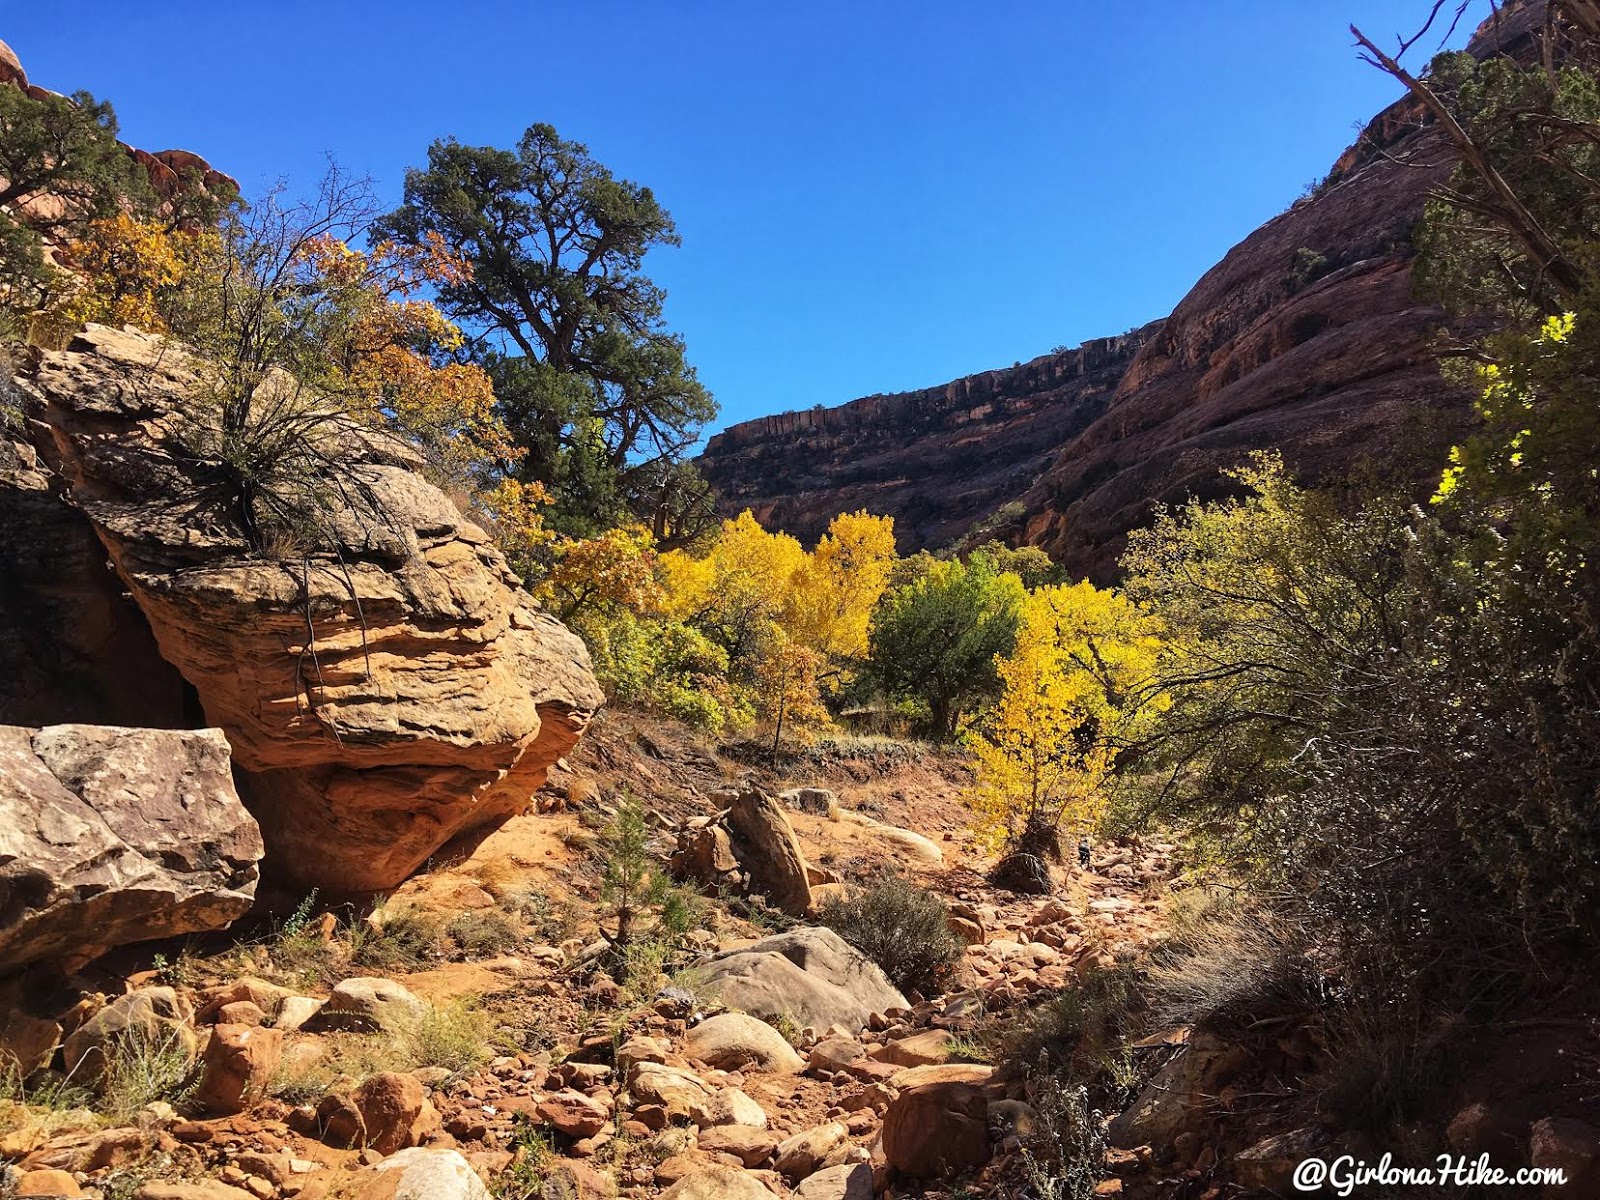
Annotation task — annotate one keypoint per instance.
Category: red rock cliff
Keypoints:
(1305, 338)
(936, 460)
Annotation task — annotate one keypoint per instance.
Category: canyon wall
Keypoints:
(936, 459)
(1306, 338)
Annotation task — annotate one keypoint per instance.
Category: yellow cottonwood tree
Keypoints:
(126, 267)
(1076, 687)
(615, 570)
(751, 576)
(787, 692)
(835, 590)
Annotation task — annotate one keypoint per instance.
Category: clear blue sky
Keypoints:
(872, 196)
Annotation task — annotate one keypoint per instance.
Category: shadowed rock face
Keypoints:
(1305, 338)
(377, 702)
(936, 460)
(110, 836)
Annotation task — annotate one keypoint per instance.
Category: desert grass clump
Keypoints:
(144, 1067)
(42, 1090)
(396, 939)
(1387, 1061)
(483, 933)
(1227, 968)
(525, 1176)
(456, 1036)
(296, 945)
(901, 927)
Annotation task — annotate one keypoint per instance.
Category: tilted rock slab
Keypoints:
(379, 700)
(110, 836)
(765, 843)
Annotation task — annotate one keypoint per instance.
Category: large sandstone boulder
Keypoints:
(717, 1183)
(811, 976)
(11, 67)
(937, 1128)
(847, 1181)
(1182, 1094)
(154, 1020)
(382, 695)
(419, 1174)
(110, 836)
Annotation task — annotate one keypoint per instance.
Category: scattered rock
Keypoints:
(199, 1189)
(420, 1174)
(58, 1185)
(729, 1106)
(766, 846)
(1571, 1145)
(919, 1050)
(395, 1112)
(937, 1128)
(237, 1067)
(848, 1181)
(717, 1183)
(364, 1004)
(574, 1114)
(1271, 1162)
(800, 1155)
(749, 1145)
(569, 1180)
(819, 802)
(1186, 1086)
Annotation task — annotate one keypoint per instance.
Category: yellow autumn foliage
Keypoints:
(1076, 688)
(835, 589)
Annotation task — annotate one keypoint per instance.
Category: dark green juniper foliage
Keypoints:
(643, 904)
(590, 381)
(67, 147)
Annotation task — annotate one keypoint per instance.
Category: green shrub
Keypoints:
(903, 929)
(1063, 1157)
(1082, 1035)
(645, 916)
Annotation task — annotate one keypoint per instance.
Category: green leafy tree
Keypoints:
(937, 640)
(590, 381)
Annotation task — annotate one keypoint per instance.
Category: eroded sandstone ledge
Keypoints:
(379, 700)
